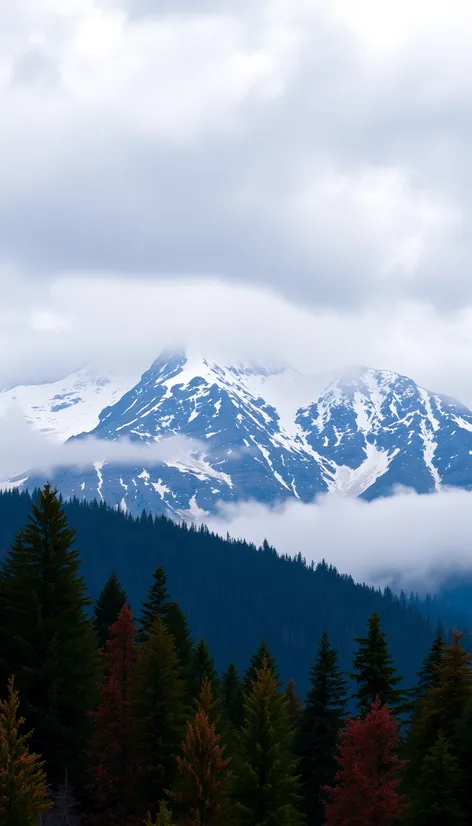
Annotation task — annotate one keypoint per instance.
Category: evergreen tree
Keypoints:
(462, 750)
(46, 639)
(156, 603)
(293, 704)
(113, 761)
(160, 713)
(428, 674)
(266, 786)
(233, 697)
(23, 784)
(435, 799)
(203, 768)
(260, 656)
(319, 726)
(177, 624)
(365, 790)
(201, 670)
(107, 608)
(374, 671)
(163, 817)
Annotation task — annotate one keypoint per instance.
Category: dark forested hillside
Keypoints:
(233, 593)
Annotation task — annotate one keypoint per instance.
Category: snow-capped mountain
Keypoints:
(262, 433)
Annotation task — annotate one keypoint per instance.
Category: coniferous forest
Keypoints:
(114, 708)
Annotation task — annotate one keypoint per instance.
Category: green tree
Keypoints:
(233, 697)
(434, 801)
(428, 674)
(178, 627)
(317, 734)
(107, 608)
(23, 784)
(374, 671)
(156, 603)
(163, 817)
(462, 750)
(293, 704)
(201, 669)
(261, 655)
(160, 713)
(46, 638)
(266, 785)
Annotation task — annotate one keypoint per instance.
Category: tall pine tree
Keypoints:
(46, 638)
(160, 712)
(23, 784)
(374, 671)
(114, 767)
(107, 608)
(156, 603)
(435, 799)
(233, 697)
(202, 669)
(266, 784)
(261, 656)
(319, 726)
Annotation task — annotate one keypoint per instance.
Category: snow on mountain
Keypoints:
(267, 433)
(66, 407)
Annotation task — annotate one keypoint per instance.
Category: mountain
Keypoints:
(264, 433)
(234, 594)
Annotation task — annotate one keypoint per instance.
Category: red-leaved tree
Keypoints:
(365, 791)
(113, 764)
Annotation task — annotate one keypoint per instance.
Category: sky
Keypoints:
(286, 178)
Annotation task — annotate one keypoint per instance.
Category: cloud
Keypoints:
(318, 149)
(416, 540)
(25, 450)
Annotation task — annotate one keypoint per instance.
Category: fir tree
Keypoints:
(365, 790)
(435, 799)
(46, 639)
(319, 726)
(113, 761)
(462, 750)
(163, 817)
(203, 768)
(23, 784)
(201, 670)
(160, 712)
(293, 704)
(266, 785)
(374, 671)
(177, 624)
(107, 608)
(428, 674)
(156, 603)
(260, 656)
(233, 697)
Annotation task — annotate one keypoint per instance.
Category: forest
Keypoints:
(110, 716)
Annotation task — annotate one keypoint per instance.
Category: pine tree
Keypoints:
(46, 638)
(435, 799)
(177, 624)
(374, 671)
(462, 751)
(113, 761)
(233, 697)
(365, 790)
(160, 713)
(318, 730)
(163, 817)
(293, 704)
(156, 603)
(261, 655)
(107, 608)
(266, 786)
(428, 674)
(202, 669)
(203, 768)
(23, 784)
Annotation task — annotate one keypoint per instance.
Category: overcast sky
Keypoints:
(283, 177)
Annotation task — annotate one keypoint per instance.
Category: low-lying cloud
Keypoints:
(411, 539)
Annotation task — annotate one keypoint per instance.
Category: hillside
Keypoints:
(234, 594)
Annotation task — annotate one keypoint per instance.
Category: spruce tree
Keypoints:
(160, 713)
(434, 801)
(293, 704)
(374, 671)
(156, 603)
(266, 784)
(203, 767)
(23, 784)
(233, 697)
(202, 669)
(46, 638)
(163, 817)
(107, 608)
(177, 625)
(319, 726)
(260, 656)
(428, 674)
(113, 763)
(462, 751)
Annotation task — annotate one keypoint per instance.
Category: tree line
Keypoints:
(116, 719)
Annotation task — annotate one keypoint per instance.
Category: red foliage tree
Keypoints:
(365, 791)
(114, 766)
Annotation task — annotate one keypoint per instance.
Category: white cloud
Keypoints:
(415, 540)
